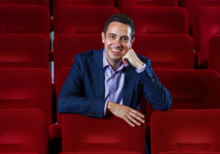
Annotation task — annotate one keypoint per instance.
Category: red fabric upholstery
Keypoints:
(82, 20)
(22, 131)
(166, 51)
(101, 134)
(124, 4)
(58, 3)
(191, 89)
(61, 77)
(121, 152)
(214, 53)
(186, 152)
(55, 130)
(25, 2)
(192, 5)
(24, 51)
(185, 130)
(207, 24)
(159, 20)
(25, 89)
(67, 46)
(25, 19)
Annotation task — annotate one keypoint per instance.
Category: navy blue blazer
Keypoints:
(83, 91)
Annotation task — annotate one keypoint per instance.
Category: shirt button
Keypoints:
(112, 90)
(114, 75)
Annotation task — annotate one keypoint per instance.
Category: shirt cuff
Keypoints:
(105, 107)
(141, 69)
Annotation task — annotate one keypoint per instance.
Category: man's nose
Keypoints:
(117, 43)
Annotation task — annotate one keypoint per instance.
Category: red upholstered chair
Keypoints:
(25, 2)
(27, 88)
(123, 5)
(101, 134)
(214, 53)
(67, 46)
(192, 131)
(102, 152)
(22, 131)
(166, 51)
(82, 20)
(159, 20)
(191, 89)
(25, 19)
(192, 5)
(24, 51)
(207, 24)
(59, 3)
(186, 152)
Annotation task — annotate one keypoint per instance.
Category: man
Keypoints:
(113, 79)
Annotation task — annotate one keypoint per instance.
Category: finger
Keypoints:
(124, 60)
(129, 122)
(137, 117)
(138, 113)
(133, 120)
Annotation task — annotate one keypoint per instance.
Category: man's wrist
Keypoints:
(139, 65)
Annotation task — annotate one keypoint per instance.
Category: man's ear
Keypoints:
(132, 41)
(103, 37)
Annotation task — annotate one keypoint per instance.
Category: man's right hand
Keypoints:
(131, 116)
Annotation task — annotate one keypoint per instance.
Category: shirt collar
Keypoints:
(106, 64)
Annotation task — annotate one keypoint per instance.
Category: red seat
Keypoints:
(190, 89)
(25, 2)
(159, 20)
(22, 131)
(101, 134)
(67, 46)
(102, 152)
(25, 19)
(59, 3)
(82, 20)
(192, 5)
(214, 53)
(123, 5)
(191, 131)
(207, 24)
(27, 88)
(166, 51)
(24, 51)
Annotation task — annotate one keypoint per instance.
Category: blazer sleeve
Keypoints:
(71, 100)
(155, 93)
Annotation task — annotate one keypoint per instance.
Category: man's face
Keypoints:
(117, 41)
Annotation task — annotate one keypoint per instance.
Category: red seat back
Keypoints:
(67, 46)
(25, 2)
(24, 51)
(82, 20)
(166, 51)
(123, 5)
(59, 3)
(159, 20)
(185, 130)
(190, 89)
(207, 24)
(25, 19)
(22, 131)
(214, 53)
(101, 134)
(27, 88)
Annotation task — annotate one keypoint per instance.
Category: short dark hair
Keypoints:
(122, 18)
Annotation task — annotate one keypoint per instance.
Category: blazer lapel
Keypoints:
(96, 67)
(130, 75)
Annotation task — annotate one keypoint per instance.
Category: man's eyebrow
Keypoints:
(111, 34)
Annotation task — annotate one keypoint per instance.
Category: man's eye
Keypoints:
(124, 39)
(112, 36)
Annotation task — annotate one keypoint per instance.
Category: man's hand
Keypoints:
(133, 59)
(131, 116)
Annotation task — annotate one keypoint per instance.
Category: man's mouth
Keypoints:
(115, 50)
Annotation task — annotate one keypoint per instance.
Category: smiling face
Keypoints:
(117, 42)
